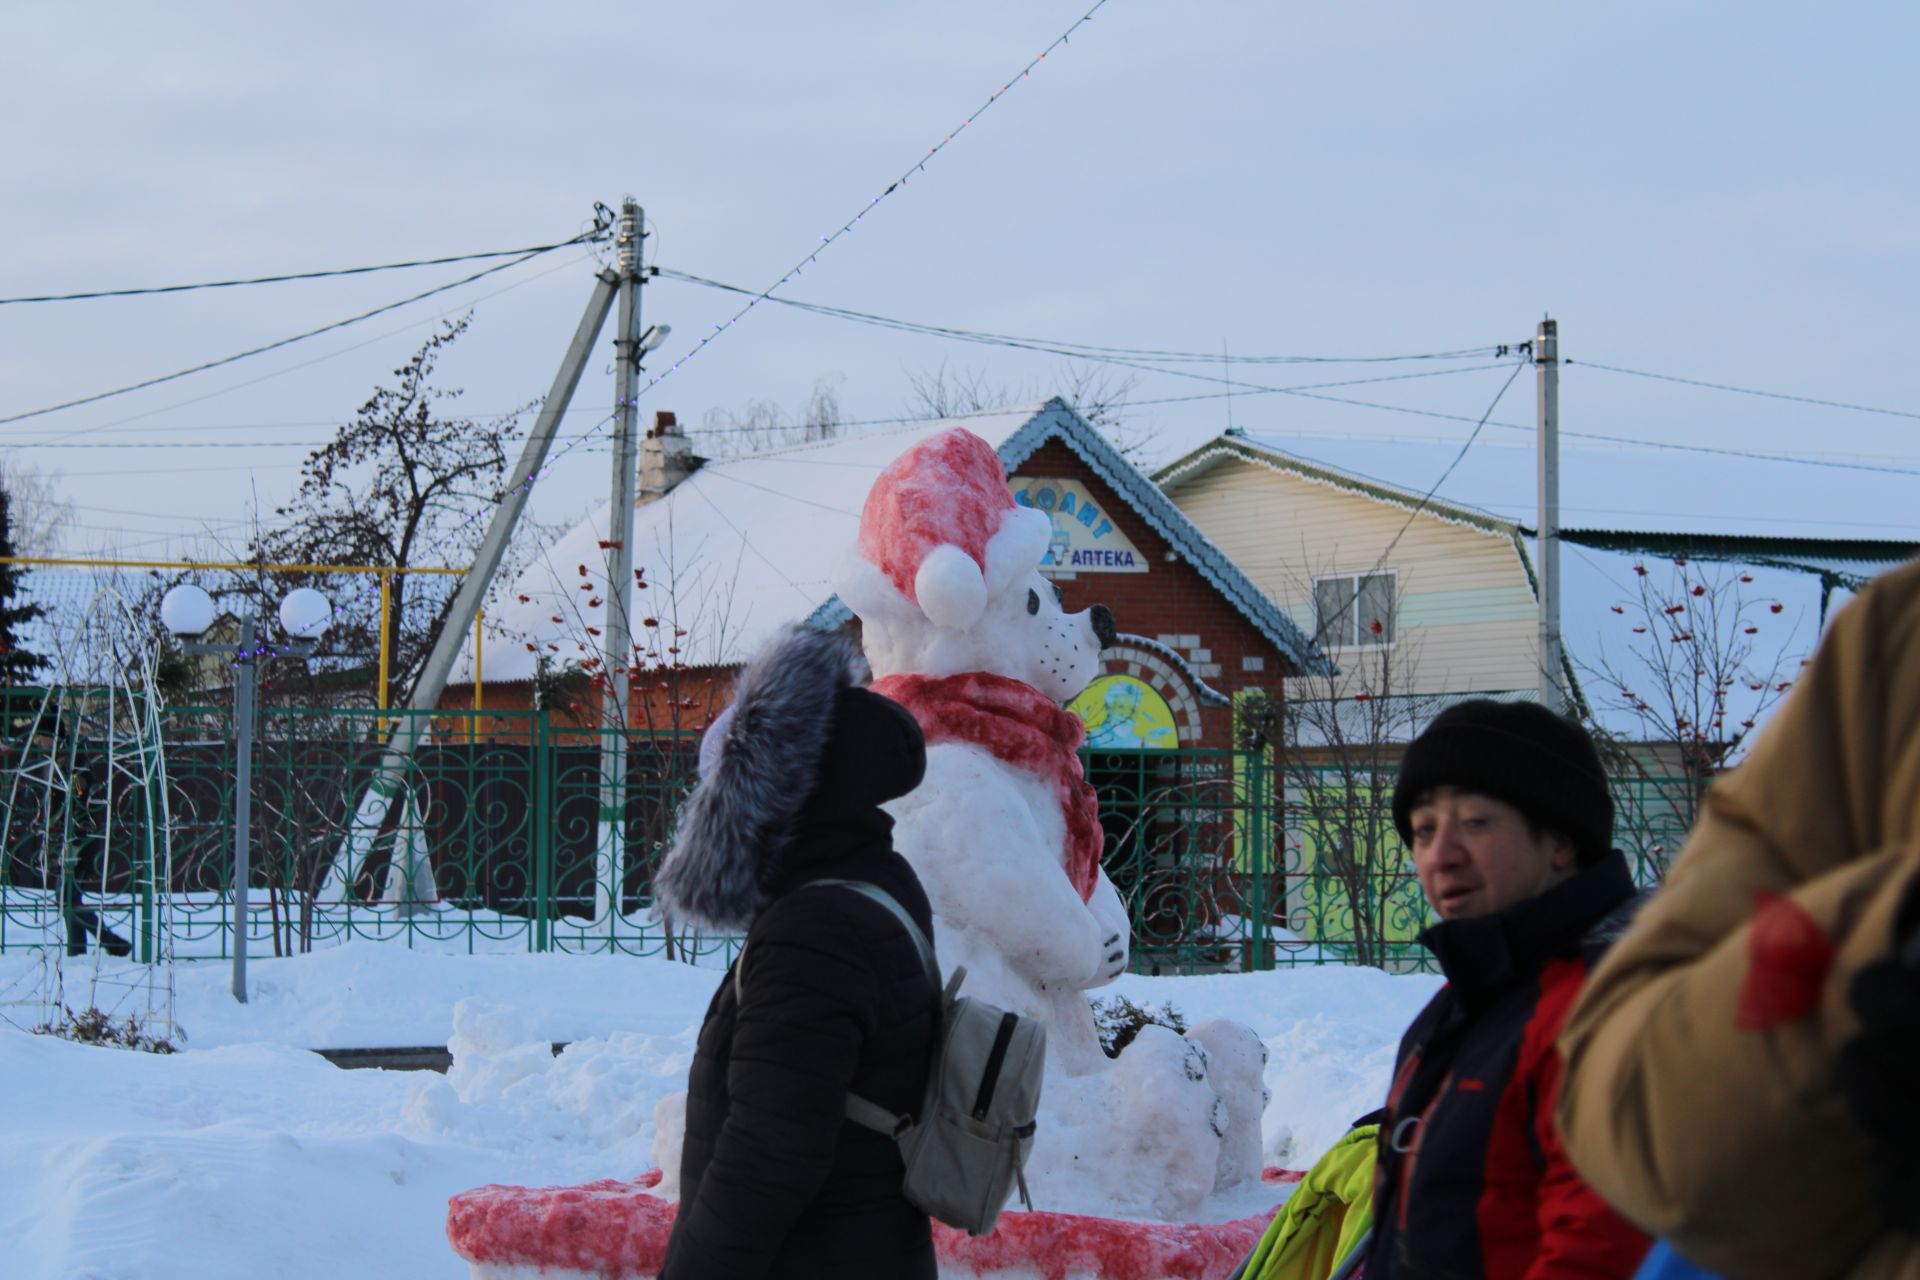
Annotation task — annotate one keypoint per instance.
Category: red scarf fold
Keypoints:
(1022, 727)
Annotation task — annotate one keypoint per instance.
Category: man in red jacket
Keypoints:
(1506, 810)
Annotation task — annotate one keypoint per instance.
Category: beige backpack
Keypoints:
(967, 1148)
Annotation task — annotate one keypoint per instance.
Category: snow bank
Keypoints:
(245, 1155)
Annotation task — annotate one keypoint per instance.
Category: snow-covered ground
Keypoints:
(246, 1155)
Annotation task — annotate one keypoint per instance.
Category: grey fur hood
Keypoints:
(766, 765)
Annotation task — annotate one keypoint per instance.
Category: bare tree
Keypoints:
(38, 513)
(397, 487)
(1699, 660)
(1094, 391)
(760, 425)
(1337, 736)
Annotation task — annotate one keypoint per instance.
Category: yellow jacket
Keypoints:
(1325, 1219)
(1699, 1095)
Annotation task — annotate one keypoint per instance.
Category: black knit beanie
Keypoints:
(1542, 764)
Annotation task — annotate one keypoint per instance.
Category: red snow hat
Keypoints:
(941, 524)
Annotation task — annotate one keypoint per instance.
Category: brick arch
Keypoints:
(1164, 679)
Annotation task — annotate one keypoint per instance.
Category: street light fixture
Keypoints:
(305, 615)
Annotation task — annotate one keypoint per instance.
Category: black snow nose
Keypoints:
(1102, 619)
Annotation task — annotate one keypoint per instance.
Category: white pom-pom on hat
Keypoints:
(950, 588)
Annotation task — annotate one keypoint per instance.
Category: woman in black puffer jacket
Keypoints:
(774, 1179)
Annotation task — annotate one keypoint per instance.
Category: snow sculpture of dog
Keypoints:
(962, 629)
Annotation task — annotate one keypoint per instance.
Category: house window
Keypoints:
(1354, 609)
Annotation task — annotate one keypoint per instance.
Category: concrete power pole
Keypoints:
(1546, 359)
(617, 657)
(390, 780)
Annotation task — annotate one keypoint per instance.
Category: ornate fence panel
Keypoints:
(1186, 835)
(499, 838)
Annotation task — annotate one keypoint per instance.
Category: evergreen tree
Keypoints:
(17, 664)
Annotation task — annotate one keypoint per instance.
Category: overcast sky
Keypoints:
(1716, 191)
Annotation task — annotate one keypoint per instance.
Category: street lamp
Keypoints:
(187, 612)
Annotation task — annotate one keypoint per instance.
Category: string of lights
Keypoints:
(1747, 391)
(271, 346)
(603, 226)
(846, 228)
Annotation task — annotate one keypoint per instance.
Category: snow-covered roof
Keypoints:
(1788, 540)
(745, 545)
(1622, 490)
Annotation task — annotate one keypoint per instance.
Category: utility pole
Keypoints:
(408, 730)
(1546, 359)
(617, 657)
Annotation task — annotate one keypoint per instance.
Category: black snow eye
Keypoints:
(1033, 600)
(1059, 596)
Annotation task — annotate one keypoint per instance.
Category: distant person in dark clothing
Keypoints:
(1506, 809)
(832, 999)
(66, 786)
(78, 831)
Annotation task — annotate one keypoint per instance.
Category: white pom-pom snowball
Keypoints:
(949, 588)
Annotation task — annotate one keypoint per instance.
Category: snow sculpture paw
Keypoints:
(1235, 1061)
(1138, 1140)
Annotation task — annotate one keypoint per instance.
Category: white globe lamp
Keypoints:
(186, 611)
(305, 614)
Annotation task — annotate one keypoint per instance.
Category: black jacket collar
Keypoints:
(1488, 954)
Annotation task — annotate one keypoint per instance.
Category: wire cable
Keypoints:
(1320, 630)
(1060, 347)
(271, 346)
(302, 275)
(351, 347)
(1748, 391)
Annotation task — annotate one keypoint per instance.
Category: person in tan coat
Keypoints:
(1705, 1057)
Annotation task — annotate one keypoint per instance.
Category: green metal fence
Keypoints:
(497, 839)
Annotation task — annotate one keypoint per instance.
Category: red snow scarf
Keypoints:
(1022, 727)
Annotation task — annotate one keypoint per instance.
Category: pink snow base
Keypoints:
(615, 1230)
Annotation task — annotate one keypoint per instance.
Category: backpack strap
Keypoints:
(875, 893)
(928, 963)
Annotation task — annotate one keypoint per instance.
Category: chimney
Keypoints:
(666, 458)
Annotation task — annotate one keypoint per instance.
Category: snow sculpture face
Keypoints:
(1023, 633)
(945, 580)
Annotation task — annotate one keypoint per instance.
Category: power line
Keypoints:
(598, 232)
(1121, 356)
(180, 471)
(333, 355)
(1639, 441)
(290, 425)
(167, 444)
(1749, 391)
(1319, 631)
(1067, 348)
(750, 428)
(271, 346)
